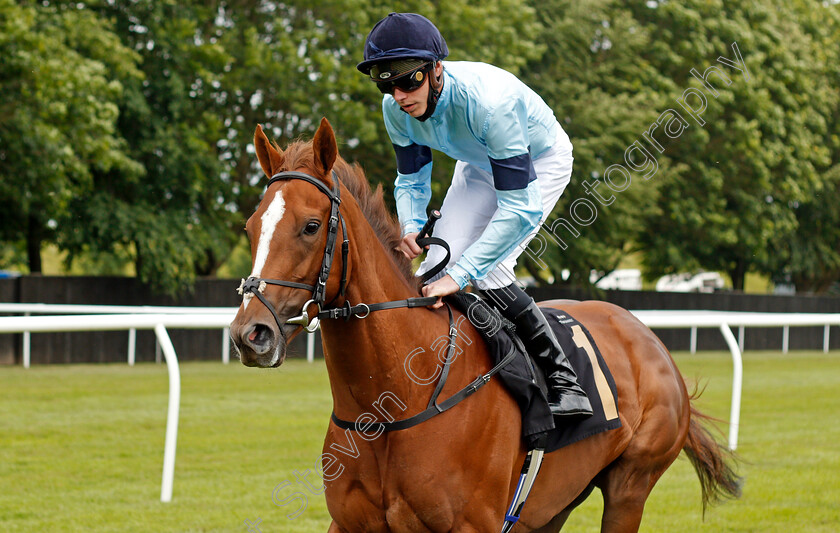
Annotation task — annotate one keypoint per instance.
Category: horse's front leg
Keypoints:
(334, 528)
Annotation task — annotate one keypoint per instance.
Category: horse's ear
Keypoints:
(325, 147)
(271, 160)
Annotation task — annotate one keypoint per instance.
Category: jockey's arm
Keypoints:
(517, 193)
(413, 186)
(519, 213)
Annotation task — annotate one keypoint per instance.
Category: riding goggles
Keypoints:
(407, 75)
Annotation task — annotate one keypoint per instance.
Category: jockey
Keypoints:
(513, 163)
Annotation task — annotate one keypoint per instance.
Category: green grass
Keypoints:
(81, 448)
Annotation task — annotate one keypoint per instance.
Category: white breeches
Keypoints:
(470, 204)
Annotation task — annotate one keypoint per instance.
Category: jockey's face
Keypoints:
(415, 102)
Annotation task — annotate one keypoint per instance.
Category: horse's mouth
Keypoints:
(278, 356)
(271, 359)
(280, 351)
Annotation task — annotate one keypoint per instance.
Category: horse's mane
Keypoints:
(300, 155)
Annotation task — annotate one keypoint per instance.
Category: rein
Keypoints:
(256, 287)
(433, 408)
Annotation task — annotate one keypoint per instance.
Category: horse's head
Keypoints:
(289, 234)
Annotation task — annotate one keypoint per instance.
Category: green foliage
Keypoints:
(753, 174)
(213, 71)
(286, 65)
(810, 256)
(57, 117)
(176, 221)
(126, 127)
(759, 155)
(597, 76)
(158, 169)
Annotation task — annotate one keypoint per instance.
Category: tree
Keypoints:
(290, 64)
(174, 222)
(598, 75)
(57, 117)
(214, 70)
(165, 174)
(756, 156)
(810, 256)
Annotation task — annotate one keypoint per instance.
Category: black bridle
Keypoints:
(256, 286)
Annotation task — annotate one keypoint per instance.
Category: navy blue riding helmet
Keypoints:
(402, 45)
(403, 36)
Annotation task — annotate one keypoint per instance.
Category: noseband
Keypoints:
(256, 286)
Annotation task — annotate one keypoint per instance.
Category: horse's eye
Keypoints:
(311, 228)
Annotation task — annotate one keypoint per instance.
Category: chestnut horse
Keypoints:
(456, 471)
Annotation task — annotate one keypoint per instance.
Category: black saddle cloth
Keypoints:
(525, 382)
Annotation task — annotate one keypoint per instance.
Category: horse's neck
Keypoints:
(366, 356)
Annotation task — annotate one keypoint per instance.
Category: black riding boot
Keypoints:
(565, 397)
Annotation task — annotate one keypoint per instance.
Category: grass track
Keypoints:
(81, 448)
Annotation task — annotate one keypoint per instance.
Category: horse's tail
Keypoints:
(713, 462)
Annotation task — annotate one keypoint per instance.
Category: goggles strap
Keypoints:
(434, 95)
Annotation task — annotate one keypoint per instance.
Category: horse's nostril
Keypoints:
(260, 335)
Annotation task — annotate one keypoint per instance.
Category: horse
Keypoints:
(455, 472)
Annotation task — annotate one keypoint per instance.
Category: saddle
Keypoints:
(525, 381)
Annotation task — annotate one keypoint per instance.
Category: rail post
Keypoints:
(171, 441)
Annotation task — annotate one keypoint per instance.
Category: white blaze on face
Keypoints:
(270, 219)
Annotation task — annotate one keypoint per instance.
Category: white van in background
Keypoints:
(702, 282)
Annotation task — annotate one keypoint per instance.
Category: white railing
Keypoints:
(28, 309)
(723, 320)
(744, 319)
(221, 318)
(156, 322)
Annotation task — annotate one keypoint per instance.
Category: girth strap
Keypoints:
(429, 412)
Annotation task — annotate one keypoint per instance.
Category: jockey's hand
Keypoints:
(409, 247)
(442, 287)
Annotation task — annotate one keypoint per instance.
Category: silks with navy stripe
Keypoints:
(412, 158)
(513, 173)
